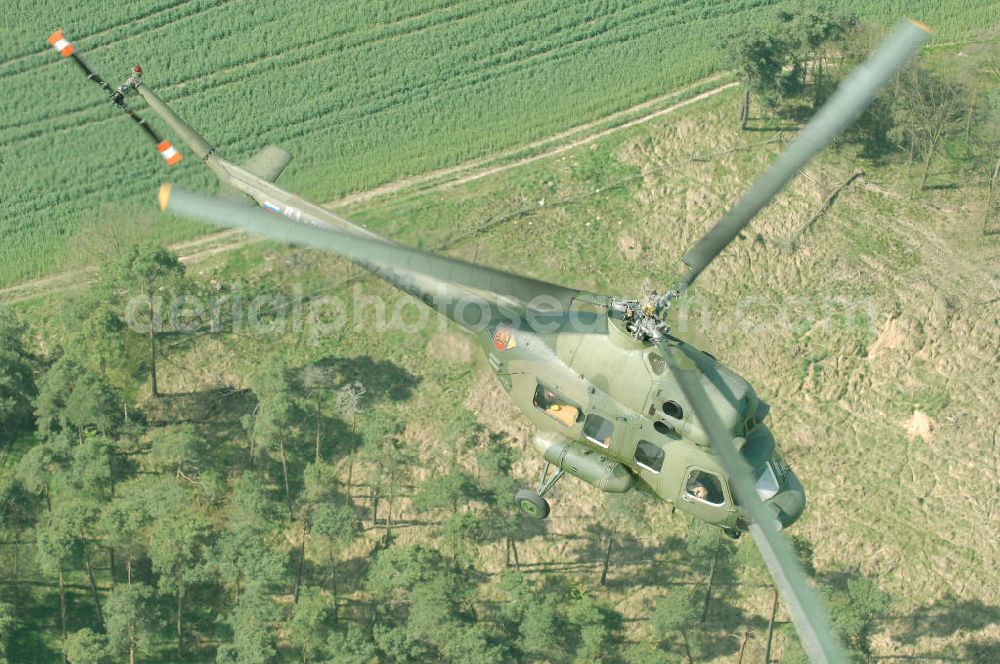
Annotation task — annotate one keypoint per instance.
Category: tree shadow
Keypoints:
(947, 616)
(31, 639)
(216, 414)
(837, 579)
(218, 405)
(646, 564)
(771, 126)
(925, 657)
(711, 645)
(203, 603)
(382, 380)
(981, 652)
(721, 612)
(528, 527)
(871, 132)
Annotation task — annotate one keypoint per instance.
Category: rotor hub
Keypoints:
(645, 319)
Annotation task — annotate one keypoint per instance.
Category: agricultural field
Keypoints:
(360, 93)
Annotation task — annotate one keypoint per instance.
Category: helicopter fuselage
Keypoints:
(608, 411)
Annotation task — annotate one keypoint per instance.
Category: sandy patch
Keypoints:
(901, 333)
(920, 425)
(629, 246)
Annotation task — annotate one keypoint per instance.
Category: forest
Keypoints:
(221, 525)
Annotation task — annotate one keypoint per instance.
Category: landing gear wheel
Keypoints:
(531, 503)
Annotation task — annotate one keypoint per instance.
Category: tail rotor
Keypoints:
(57, 40)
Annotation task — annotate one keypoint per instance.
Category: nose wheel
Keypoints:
(533, 502)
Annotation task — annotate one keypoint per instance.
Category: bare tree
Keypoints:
(349, 404)
(315, 379)
(927, 112)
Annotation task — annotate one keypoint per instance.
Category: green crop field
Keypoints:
(360, 93)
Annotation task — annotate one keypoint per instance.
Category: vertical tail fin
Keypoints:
(268, 163)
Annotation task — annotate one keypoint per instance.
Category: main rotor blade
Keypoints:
(396, 263)
(847, 103)
(801, 601)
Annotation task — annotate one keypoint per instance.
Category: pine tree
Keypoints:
(17, 383)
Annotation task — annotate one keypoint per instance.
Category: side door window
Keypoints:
(555, 406)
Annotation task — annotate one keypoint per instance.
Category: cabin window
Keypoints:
(656, 362)
(704, 486)
(673, 409)
(598, 430)
(649, 456)
(555, 406)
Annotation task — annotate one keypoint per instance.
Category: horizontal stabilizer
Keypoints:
(268, 163)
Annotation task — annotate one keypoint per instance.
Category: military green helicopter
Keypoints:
(618, 401)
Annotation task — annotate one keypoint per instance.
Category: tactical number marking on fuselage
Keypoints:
(288, 211)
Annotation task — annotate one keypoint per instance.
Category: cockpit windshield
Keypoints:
(765, 481)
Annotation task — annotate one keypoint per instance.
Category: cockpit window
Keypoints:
(598, 430)
(555, 406)
(704, 486)
(649, 456)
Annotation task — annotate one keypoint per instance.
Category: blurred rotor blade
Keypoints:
(413, 270)
(851, 98)
(802, 602)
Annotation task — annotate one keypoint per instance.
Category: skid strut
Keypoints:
(545, 486)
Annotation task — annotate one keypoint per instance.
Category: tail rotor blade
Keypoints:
(57, 40)
(847, 103)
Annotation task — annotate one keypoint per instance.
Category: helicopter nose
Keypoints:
(790, 502)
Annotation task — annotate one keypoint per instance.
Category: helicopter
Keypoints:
(617, 400)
